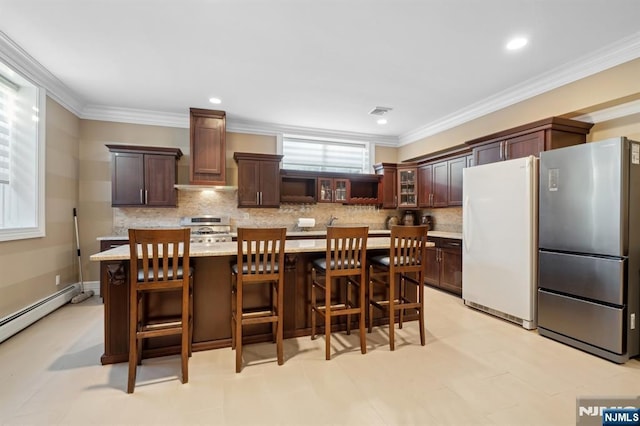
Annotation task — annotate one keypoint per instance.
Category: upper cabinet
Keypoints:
(530, 139)
(207, 143)
(454, 180)
(389, 172)
(258, 179)
(333, 190)
(440, 182)
(433, 181)
(143, 176)
(425, 185)
(301, 186)
(297, 186)
(407, 186)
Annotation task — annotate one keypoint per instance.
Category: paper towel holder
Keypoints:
(305, 223)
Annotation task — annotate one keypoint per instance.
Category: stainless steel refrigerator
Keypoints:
(589, 247)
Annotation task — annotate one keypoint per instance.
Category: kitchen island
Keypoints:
(212, 297)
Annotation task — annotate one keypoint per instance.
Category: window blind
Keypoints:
(7, 93)
(322, 155)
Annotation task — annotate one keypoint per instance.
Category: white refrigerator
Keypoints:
(499, 235)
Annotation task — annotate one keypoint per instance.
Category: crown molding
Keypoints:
(18, 59)
(158, 118)
(618, 111)
(135, 116)
(624, 50)
(261, 128)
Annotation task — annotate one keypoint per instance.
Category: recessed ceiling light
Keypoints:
(517, 43)
(382, 121)
(215, 101)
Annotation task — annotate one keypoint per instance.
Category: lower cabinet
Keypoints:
(444, 265)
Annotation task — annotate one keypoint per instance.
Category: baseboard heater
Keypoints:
(20, 320)
(529, 325)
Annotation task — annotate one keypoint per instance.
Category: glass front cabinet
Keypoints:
(333, 190)
(407, 187)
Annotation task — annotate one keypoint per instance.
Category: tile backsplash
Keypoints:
(224, 202)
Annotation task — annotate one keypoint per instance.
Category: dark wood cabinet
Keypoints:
(440, 184)
(143, 176)
(488, 153)
(432, 273)
(300, 186)
(454, 187)
(444, 265)
(297, 186)
(258, 179)
(407, 186)
(208, 147)
(365, 189)
(524, 145)
(389, 174)
(530, 139)
(333, 190)
(425, 185)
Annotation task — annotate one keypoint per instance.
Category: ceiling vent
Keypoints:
(380, 111)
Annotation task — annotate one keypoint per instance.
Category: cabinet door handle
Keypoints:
(146, 196)
(501, 150)
(506, 151)
(260, 197)
(257, 198)
(141, 197)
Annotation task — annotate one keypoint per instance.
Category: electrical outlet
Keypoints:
(57, 279)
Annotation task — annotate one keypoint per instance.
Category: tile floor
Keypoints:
(474, 370)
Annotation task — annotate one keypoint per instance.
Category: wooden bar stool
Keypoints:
(409, 262)
(260, 261)
(159, 259)
(345, 259)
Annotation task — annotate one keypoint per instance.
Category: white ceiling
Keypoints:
(319, 64)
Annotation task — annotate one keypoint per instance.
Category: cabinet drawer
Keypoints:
(447, 243)
(592, 323)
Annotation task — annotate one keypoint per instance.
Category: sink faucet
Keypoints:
(331, 220)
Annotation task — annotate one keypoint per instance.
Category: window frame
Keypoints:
(38, 203)
(368, 146)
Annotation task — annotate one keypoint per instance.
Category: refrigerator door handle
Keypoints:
(465, 211)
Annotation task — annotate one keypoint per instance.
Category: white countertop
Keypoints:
(231, 248)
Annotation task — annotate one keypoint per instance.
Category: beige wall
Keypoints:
(628, 126)
(607, 88)
(29, 267)
(386, 154)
